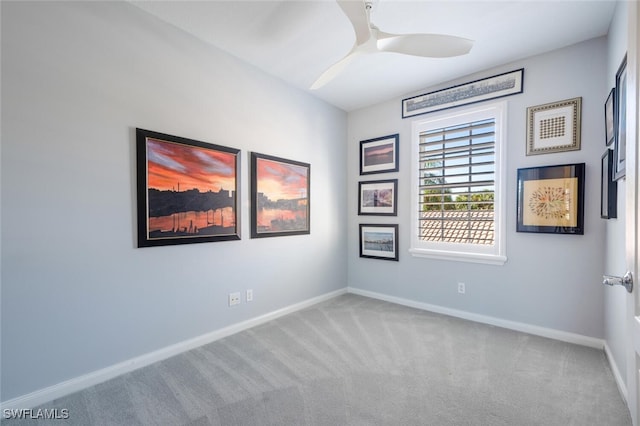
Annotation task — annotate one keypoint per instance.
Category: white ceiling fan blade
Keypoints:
(335, 69)
(357, 14)
(425, 45)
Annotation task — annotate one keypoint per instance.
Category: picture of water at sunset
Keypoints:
(280, 194)
(379, 155)
(190, 190)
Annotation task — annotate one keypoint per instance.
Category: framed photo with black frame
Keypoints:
(497, 86)
(379, 155)
(550, 199)
(609, 117)
(378, 197)
(621, 121)
(378, 241)
(280, 196)
(608, 187)
(187, 190)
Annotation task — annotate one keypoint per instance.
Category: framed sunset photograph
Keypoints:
(280, 191)
(187, 190)
(379, 155)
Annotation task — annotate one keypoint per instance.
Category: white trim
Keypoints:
(550, 333)
(68, 387)
(622, 386)
(488, 259)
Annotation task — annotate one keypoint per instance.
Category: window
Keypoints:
(458, 202)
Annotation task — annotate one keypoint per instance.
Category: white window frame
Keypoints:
(489, 254)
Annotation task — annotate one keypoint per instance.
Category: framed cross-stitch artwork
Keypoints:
(554, 127)
(550, 199)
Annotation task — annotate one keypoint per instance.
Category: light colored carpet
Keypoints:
(359, 361)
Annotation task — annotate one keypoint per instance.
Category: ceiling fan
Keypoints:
(369, 39)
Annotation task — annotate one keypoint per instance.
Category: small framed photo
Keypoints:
(379, 241)
(279, 196)
(379, 155)
(551, 199)
(378, 197)
(609, 119)
(621, 121)
(554, 127)
(608, 187)
(187, 190)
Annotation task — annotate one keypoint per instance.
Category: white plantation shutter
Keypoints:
(457, 193)
(457, 183)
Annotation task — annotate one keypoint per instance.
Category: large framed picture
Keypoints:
(378, 197)
(379, 241)
(280, 196)
(621, 121)
(608, 187)
(379, 155)
(609, 119)
(551, 199)
(554, 127)
(187, 190)
(509, 83)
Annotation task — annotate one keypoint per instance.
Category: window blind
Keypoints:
(457, 183)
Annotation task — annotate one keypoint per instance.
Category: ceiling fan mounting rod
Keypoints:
(368, 5)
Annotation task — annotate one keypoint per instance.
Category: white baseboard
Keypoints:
(512, 325)
(622, 386)
(68, 387)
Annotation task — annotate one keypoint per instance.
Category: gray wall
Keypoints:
(77, 296)
(551, 281)
(615, 297)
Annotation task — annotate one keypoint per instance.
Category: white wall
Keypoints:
(77, 295)
(551, 281)
(615, 297)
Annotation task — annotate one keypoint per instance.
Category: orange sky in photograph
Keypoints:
(170, 164)
(280, 180)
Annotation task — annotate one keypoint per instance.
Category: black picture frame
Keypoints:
(620, 112)
(497, 86)
(550, 199)
(608, 187)
(379, 241)
(187, 190)
(280, 196)
(379, 155)
(378, 197)
(609, 117)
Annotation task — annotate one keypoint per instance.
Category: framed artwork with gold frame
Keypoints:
(554, 127)
(551, 199)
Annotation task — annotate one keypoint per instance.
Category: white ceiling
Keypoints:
(297, 40)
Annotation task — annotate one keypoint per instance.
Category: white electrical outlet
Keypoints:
(234, 299)
(461, 288)
(249, 295)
